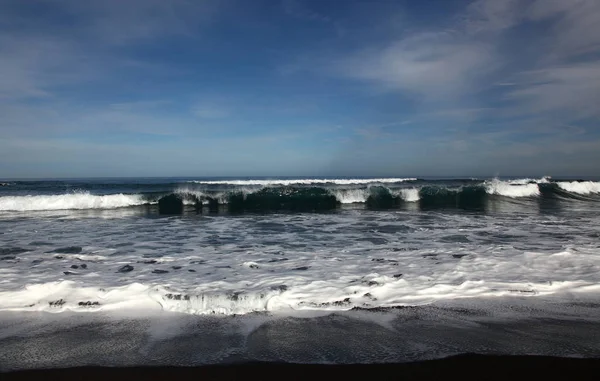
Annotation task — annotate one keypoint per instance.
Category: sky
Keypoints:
(299, 87)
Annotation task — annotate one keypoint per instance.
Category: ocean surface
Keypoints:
(330, 252)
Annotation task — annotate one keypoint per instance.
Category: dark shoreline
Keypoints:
(467, 366)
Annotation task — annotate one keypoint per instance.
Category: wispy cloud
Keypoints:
(30, 66)
(575, 25)
(570, 90)
(45, 45)
(471, 56)
(491, 16)
(298, 9)
(432, 65)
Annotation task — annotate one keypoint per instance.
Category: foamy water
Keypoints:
(297, 262)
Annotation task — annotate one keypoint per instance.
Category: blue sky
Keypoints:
(299, 87)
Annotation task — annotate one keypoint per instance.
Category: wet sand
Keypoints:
(469, 366)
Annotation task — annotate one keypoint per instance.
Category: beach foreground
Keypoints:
(469, 366)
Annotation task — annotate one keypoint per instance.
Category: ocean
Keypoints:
(188, 271)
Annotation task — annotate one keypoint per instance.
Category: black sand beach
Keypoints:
(408, 344)
(461, 367)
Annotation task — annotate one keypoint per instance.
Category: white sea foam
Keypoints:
(331, 286)
(408, 194)
(509, 189)
(69, 201)
(581, 187)
(216, 303)
(191, 196)
(304, 181)
(321, 293)
(42, 297)
(350, 196)
(543, 180)
(184, 191)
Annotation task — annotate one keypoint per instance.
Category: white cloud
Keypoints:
(535, 46)
(444, 62)
(30, 65)
(572, 89)
(432, 65)
(483, 16)
(575, 25)
(564, 82)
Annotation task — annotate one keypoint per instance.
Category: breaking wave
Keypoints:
(580, 187)
(543, 180)
(302, 197)
(512, 189)
(69, 201)
(408, 195)
(350, 196)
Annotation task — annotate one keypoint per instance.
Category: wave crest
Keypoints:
(351, 196)
(512, 189)
(407, 194)
(580, 187)
(76, 201)
(543, 180)
(281, 182)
